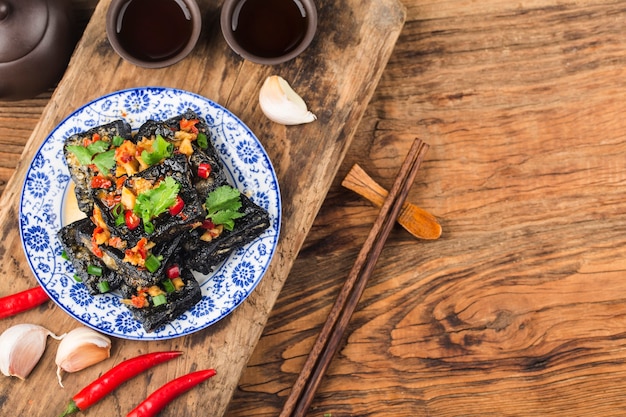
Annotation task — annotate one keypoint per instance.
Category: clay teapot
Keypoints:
(37, 38)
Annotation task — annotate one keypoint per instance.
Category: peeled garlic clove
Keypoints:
(21, 347)
(281, 104)
(80, 348)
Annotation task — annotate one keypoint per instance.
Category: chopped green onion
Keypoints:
(117, 209)
(148, 227)
(119, 213)
(77, 278)
(103, 286)
(152, 263)
(65, 256)
(117, 140)
(203, 141)
(157, 300)
(168, 285)
(94, 270)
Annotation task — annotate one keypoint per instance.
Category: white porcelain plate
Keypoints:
(48, 184)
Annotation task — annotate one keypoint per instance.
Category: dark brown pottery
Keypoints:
(153, 33)
(268, 31)
(36, 42)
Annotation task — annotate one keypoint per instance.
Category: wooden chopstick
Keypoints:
(331, 335)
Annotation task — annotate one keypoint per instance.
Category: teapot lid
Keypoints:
(23, 24)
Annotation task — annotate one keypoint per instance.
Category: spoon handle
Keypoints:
(415, 220)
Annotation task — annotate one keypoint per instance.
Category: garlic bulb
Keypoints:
(80, 348)
(21, 347)
(281, 104)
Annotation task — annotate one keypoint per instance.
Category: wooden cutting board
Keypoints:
(337, 76)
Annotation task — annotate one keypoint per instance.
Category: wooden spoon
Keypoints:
(415, 220)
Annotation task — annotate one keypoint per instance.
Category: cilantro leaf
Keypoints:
(98, 146)
(161, 149)
(155, 201)
(82, 154)
(222, 205)
(104, 161)
(96, 153)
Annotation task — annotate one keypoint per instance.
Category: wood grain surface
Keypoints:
(519, 309)
(337, 75)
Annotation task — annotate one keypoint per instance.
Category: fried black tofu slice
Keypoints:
(159, 304)
(203, 253)
(89, 269)
(191, 136)
(216, 177)
(77, 151)
(164, 225)
(78, 237)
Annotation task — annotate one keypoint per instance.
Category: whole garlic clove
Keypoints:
(81, 348)
(281, 104)
(21, 348)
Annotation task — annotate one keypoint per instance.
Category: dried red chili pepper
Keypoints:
(114, 377)
(22, 301)
(156, 401)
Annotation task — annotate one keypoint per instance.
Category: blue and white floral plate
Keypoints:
(48, 189)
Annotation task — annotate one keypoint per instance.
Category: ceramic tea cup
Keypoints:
(153, 33)
(268, 31)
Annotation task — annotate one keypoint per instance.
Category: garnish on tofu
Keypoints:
(127, 164)
(189, 125)
(222, 206)
(96, 152)
(151, 203)
(140, 254)
(156, 295)
(101, 233)
(161, 149)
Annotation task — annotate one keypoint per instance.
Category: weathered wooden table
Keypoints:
(337, 76)
(519, 308)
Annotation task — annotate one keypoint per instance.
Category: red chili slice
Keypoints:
(100, 182)
(189, 125)
(208, 224)
(177, 207)
(173, 271)
(204, 170)
(132, 220)
(95, 249)
(141, 248)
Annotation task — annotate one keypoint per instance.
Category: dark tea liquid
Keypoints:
(269, 28)
(154, 30)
